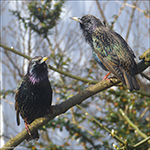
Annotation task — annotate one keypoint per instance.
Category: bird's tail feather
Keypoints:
(117, 71)
(18, 120)
(131, 81)
(34, 136)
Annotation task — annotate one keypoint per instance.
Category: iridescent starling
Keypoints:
(110, 50)
(34, 96)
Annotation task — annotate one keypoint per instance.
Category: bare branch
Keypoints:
(102, 13)
(131, 19)
(134, 6)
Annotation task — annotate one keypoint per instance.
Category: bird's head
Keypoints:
(88, 23)
(37, 68)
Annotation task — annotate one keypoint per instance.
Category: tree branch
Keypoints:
(141, 142)
(72, 76)
(102, 13)
(14, 51)
(133, 125)
(64, 106)
(59, 109)
(140, 10)
(145, 76)
(142, 65)
(130, 22)
(119, 13)
(50, 67)
(142, 93)
(102, 126)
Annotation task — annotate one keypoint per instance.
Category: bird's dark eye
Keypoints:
(38, 61)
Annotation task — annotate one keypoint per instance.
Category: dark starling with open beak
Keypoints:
(34, 96)
(110, 50)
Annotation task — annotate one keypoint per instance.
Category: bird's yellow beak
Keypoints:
(44, 59)
(76, 19)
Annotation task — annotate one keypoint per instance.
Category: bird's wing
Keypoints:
(99, 61)
(17, 108)
(102, 45)
(113, 48)
(111, 67)
(108, 52)
(123, 43)
(17, 99)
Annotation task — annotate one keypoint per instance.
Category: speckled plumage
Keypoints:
(110, 50)
(34, 96)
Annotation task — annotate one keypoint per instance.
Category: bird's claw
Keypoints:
(106, 79)
(27, 126)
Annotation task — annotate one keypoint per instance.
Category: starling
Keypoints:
(110, 50)
(34, 96)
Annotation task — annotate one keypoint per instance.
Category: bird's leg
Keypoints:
(105, 77)
(27, 126)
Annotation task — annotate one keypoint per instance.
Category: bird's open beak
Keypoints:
(44, 59)
(76, 19)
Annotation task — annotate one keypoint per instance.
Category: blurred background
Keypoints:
(44, 28)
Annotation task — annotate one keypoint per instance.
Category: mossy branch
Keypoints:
(59, 109)
(141, 143)
(72, 76)
(133, 125)
(64, 106)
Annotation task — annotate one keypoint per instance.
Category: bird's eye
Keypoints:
(38, 61)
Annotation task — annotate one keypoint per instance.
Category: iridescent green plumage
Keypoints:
(110, 50)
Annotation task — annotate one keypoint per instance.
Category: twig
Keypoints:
(144, 112)
(102, 13)
(14, 64)
(88, 131)
(50, 67)
(142, 93)
(74, 121)
(7, 101)
(72, 76)
(14, 51)
(133, 6)
(133, 125)
(142, 142)
(145, 76)
(102, 126)
(130, 22)
(142, 66)
(50, 45)
(120, 10)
